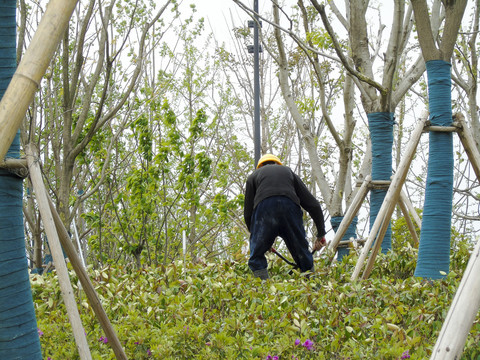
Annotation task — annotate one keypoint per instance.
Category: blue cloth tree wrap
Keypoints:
(18, 326)
(434, 248)
(350, 233)
(381, 134)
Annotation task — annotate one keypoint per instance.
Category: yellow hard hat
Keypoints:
(268, 157)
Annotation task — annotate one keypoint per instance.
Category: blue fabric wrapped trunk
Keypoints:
(381, 134)
(350, 233)
(434, 249)
(18, 326)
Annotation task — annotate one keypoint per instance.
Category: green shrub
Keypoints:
(218, 311)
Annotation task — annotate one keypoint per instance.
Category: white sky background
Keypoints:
(220, 14)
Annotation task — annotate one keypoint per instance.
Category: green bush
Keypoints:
(218, 311)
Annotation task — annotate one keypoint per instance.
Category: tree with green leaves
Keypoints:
(327, 89)
(173, 175)
(83, 105)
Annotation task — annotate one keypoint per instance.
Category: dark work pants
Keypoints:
(278, 216)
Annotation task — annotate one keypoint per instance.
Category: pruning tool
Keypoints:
(272, 249)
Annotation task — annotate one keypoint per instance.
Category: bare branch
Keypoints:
(338, 50)
(294, 36)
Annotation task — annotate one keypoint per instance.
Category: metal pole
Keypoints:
(256, 76)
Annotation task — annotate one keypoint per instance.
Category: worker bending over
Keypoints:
(274, 196)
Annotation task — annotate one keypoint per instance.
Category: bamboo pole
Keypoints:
(411, 209)
(350, 214)
(408, 220)
(57, 254)
(462, 312)
(392, 196)
(469, 144)
(466, 303)
(381, 222)
(87, 285)
(441, 128)
(26, 80)
(14, 164)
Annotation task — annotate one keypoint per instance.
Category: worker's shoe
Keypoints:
(262, 274)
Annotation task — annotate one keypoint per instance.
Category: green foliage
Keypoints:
(401, 236)
(320, 39)
(219, 311)
(405, 250)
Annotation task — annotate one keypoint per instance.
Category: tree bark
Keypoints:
(304, 128)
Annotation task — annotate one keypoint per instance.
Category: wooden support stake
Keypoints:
(14, 164)
(350, 214)
(462, 313)
(469, 144)
(34, 63)
(393, 194)
(404, 198)
(408, 220)
(441, 128)
(381, 222)
(57, 254)
(87, 285)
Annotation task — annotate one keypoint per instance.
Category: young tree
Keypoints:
(335, 195)
(18, 327)
(434, 250)
(175, 172)
(465, 68)
(379, 99)
(87, 94)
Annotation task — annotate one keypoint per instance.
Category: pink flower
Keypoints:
(297, 342)
(308, 344)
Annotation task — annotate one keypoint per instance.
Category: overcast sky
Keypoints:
(221, 14)
(218, 15)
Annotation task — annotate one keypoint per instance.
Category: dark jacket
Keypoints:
(280, 180)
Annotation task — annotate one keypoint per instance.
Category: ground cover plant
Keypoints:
(218, 311)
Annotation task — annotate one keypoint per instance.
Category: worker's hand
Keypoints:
(319, 243)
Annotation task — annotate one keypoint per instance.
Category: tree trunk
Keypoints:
(434, 250)
(18, 327)
(381, 133)
(303, 126)
(33, 222)
(378, 100)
